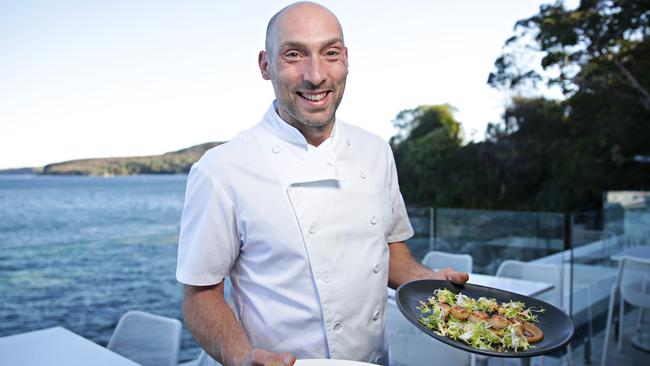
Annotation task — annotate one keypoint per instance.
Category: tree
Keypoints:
(599, 53)
(428, 135)
(599, 42)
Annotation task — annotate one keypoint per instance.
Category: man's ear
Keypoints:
(263, 63)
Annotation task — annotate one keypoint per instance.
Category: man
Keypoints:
(302, 211)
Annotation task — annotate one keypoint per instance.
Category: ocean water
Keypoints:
(80, 251)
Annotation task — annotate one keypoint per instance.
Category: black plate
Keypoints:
(556, 325)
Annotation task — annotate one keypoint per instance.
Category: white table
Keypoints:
(56, 346)
(522, 287)
(642, 251)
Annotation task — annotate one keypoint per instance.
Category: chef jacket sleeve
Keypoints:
(208, 242)
(401, 226)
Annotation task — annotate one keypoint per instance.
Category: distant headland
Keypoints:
(175, 162)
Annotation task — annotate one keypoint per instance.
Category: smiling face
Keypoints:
(307, 63)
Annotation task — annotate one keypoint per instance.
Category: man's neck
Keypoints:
(315, 135)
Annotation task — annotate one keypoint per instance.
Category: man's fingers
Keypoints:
(281, 359)
(263, 357)
(286, 359)
(458, 277)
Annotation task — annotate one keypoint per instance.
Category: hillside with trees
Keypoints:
(545, 155)
(175, 162)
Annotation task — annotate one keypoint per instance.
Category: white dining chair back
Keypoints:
(549, 273)
(148, 339)
(439, 260)
(633, 285)
(634, 278)
(539, 272)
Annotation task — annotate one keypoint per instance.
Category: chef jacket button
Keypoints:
(376, 268)
(363, 174)
(348, 142)
(276, 149)
(337, 326)
(327, 278)
(373, 220)
(313, 230)
(375, 316)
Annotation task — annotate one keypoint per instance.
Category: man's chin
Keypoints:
(317, 118)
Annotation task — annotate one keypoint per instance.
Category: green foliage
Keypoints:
(610, 36)
(428, 136)
(550, 155)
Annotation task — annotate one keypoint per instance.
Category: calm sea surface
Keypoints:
(80, 251)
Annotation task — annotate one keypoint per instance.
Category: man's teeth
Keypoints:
(314, 97)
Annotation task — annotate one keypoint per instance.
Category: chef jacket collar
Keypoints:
(280, 128)
(320, 163)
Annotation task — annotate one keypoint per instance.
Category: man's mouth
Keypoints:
(313, 97)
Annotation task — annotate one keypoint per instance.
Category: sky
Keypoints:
(90, 78)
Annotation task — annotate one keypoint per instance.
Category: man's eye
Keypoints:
(331, 53)
(292, 54)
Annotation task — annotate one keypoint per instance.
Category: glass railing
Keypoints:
(489, 236)
(583, 246)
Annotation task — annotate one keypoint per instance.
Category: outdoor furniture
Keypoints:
(520, 286)
(633, 284)
(641, 252)
(439, 260)
(147, 339)
(56, 346)
(538, 272)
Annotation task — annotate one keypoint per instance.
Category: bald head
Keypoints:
(296, 12)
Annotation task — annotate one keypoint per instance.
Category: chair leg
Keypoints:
(569, 354)
(644, 288)
(590, 314)
(639, 319)
(620, 323)
(608, 325)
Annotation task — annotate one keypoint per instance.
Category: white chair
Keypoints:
(148, 339)
(634, 288)
(440, 260)
(409, 346)
(548, 273)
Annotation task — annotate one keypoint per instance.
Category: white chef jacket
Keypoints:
(302, 231)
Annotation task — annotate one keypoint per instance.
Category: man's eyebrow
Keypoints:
(300, 45)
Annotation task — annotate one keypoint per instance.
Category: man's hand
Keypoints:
(450, 275)
(214, 326)
(403, 268)
(261, 357)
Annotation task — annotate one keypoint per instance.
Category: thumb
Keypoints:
(284, 358)
(266, 358)
(458, 277)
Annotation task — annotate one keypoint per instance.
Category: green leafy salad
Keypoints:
(482, 323)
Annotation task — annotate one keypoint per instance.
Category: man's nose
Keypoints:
(315, 73)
